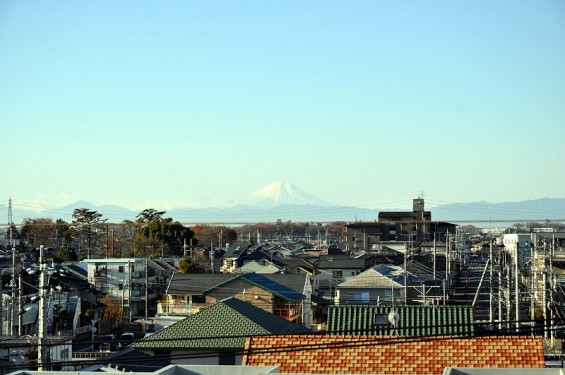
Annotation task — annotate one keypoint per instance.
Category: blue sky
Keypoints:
(196, 103)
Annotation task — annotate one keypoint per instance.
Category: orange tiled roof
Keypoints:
(386, 355)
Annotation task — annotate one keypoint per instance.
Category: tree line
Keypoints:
(151, 235)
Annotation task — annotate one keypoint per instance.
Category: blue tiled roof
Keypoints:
(262, 282)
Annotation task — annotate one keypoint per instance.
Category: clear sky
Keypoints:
(367, 103)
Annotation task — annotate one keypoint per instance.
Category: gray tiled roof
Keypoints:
(223, 326)
(414, 321)
(382, 275)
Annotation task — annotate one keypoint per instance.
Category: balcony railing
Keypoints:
(180, 308)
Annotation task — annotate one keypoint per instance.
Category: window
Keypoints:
(380, 319)
(358, 297)
(100, 270)
(337, 274)
(388, 295)
(121, 269)
(198, 299)
(120, 286)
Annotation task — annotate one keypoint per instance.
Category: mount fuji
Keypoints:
(281, 193)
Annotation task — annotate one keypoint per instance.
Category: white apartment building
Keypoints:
(133, 282)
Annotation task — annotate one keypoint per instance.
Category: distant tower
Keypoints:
(418, 204)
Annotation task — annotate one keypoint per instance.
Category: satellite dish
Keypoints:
(393, 317)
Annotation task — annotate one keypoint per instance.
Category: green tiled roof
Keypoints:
(222, 326)
(415, 321)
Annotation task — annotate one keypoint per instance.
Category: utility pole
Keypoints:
(552, 282)
(491, 294)
(434, 257)
(41, 351)
(517, 284)
(129, 291)
(146, 289)
(20, 306)
(13, 281)
(508, 291)
(500, 290)
(447, 263)
(405, 275)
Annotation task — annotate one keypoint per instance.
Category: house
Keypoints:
(258, 267)
(408, 321)
(286, 295)
(295, 265)
(325, 354)
(239, 253)
(384, 283)
(262, 370)
(333, 269)
(71, 302)
(135, 283)
(22, 352)
(215, 335)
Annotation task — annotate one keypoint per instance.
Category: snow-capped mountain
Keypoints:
(281, 193)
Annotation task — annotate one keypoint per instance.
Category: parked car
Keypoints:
(108, 342)
(126, 338)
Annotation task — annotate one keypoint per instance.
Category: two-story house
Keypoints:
(382, 284)
(285, 295)
(334, 269)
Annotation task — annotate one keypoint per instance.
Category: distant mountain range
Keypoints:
(284, 201)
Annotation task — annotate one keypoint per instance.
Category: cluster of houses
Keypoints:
(393, 298)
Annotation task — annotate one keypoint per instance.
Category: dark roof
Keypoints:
(293, 263)
(424, 271)
(362, 224)
(76, 270)
(414, 320)
(195, 283)
(199, 284)
(295, 281)
(132, 360)
(223, 326)
(236, 249)
(344, 261)
(265, 283)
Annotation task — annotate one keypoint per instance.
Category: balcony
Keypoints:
(179, 308)
(139, 294)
